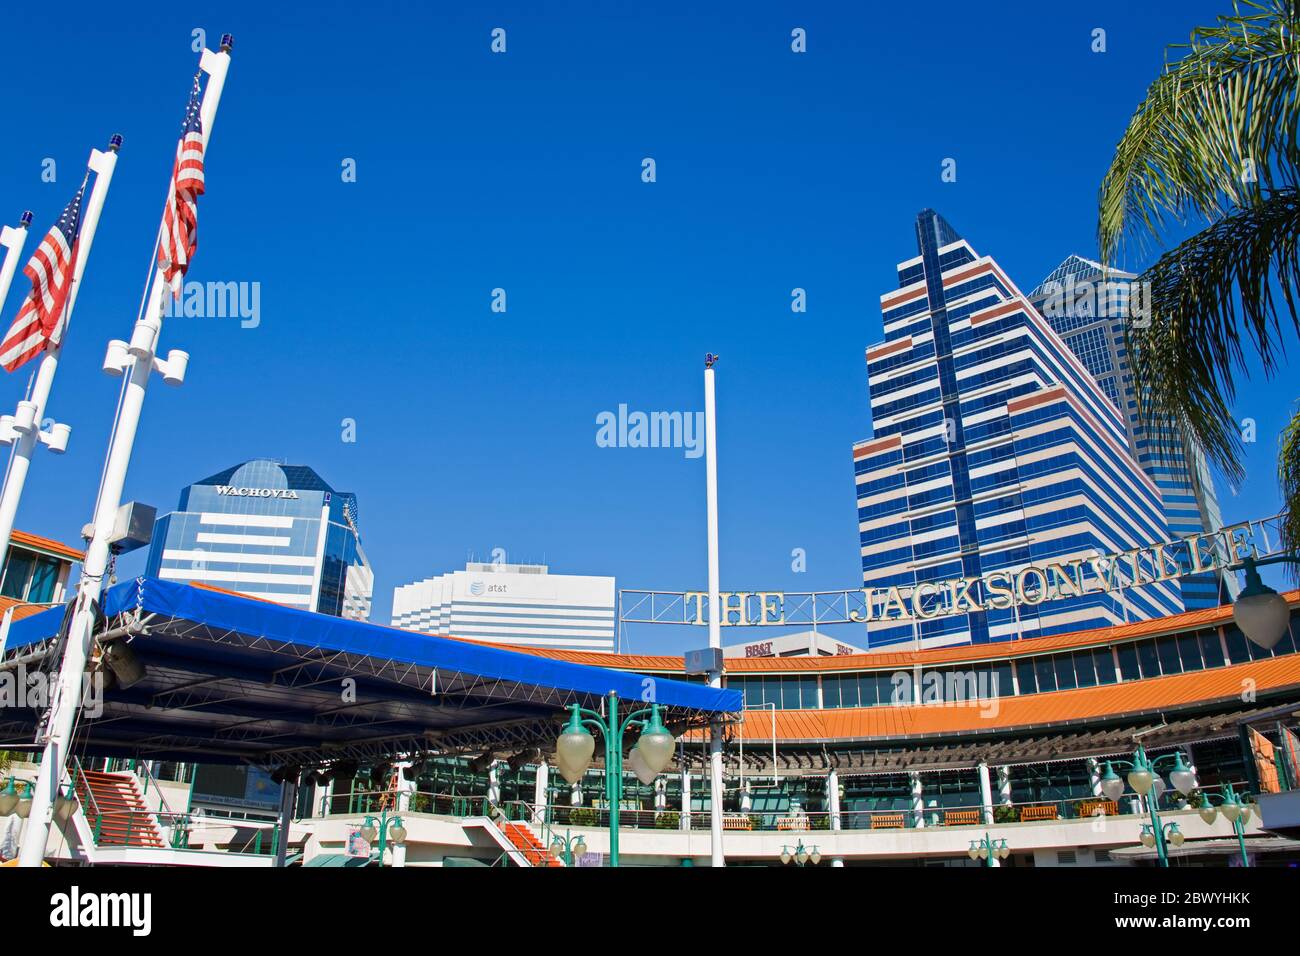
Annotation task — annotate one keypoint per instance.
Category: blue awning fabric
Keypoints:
(231, 677)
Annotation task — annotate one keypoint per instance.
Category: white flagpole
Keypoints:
(138, 361)
(23, 428)
(715, 610)
(12, 240)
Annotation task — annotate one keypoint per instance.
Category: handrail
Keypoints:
(76, 762)
(163, 806)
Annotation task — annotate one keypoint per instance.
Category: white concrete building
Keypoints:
(521, 604)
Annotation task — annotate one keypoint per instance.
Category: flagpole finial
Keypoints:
(227, 41)
(115, 142)
(25, 220)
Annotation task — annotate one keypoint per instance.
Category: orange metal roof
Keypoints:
(1056, 707)
(890, 660)
(24, 539)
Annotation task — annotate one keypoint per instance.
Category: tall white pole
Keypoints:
(24, 428)
(715, 610)
(139, 358)
(12, 240)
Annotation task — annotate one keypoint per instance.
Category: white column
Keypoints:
(684, 818)
(833, 804)
(661, 793)
(65, 701)
(540, 787)
(715, 612)
(1004, 786)
(1094, 775)
(12, 241)
(918, 798)
(986, 791)
(24, 429)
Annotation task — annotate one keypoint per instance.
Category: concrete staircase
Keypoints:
(522, 837)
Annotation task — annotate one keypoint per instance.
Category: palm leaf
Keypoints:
(1288, 476)
(1228, 107)
(1212, 297)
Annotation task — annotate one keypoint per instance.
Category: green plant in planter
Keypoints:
(668, 820)
(819, 823)
(1005, 814)
(583, 817)
(755, 821)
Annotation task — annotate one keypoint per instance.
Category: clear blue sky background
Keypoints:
(477, 430)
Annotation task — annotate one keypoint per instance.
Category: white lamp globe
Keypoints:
(1148, 839)
(368, 833)
(1112, 785)
(574, 748)
(785, 854)
(1182, 776)
(656, 744)
(1260, 612)
(801, 855)
(1139, 779)
(1158, 785)
(580, 848)
(1231, 810)
(973, 852)
(637, 764)
(1207, 811)
(398, 833)
(1176, 838)
(1245, 814)
(815, 856)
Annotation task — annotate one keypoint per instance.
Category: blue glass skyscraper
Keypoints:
(269, 530)
(1089, 307)
(993, 448)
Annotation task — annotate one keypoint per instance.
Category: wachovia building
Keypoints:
(994, 450)
(269, 530)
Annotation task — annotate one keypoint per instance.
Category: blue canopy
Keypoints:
(233, 677)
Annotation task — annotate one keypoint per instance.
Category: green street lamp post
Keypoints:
(567, 848)
(801, 855)
(988, 849)
(576, 745)
(1144, 777)
(1234, 809)
(386, 829)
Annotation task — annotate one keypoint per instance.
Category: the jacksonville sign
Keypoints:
(1002, 589)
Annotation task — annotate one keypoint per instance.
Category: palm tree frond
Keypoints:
(1288, 476)
(1217, 126)
(1207, 300)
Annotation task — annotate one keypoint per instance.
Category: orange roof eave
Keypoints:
(35, 542)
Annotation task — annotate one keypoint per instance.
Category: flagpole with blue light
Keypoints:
(23, 428)
(12, 241)
(137, 360)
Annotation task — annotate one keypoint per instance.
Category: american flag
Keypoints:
(180, 225)
(41, 319)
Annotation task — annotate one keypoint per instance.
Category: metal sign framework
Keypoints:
(817, 608)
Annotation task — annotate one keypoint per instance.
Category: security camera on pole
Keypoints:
(137, 360)
(23, 428)
(715, 609)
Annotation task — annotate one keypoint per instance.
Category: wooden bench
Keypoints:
(961, 818)
(734, 821)
(1029, 814)
(1097, 808)
(792, 823)
(886, 821)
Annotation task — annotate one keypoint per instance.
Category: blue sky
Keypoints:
(476, 430)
